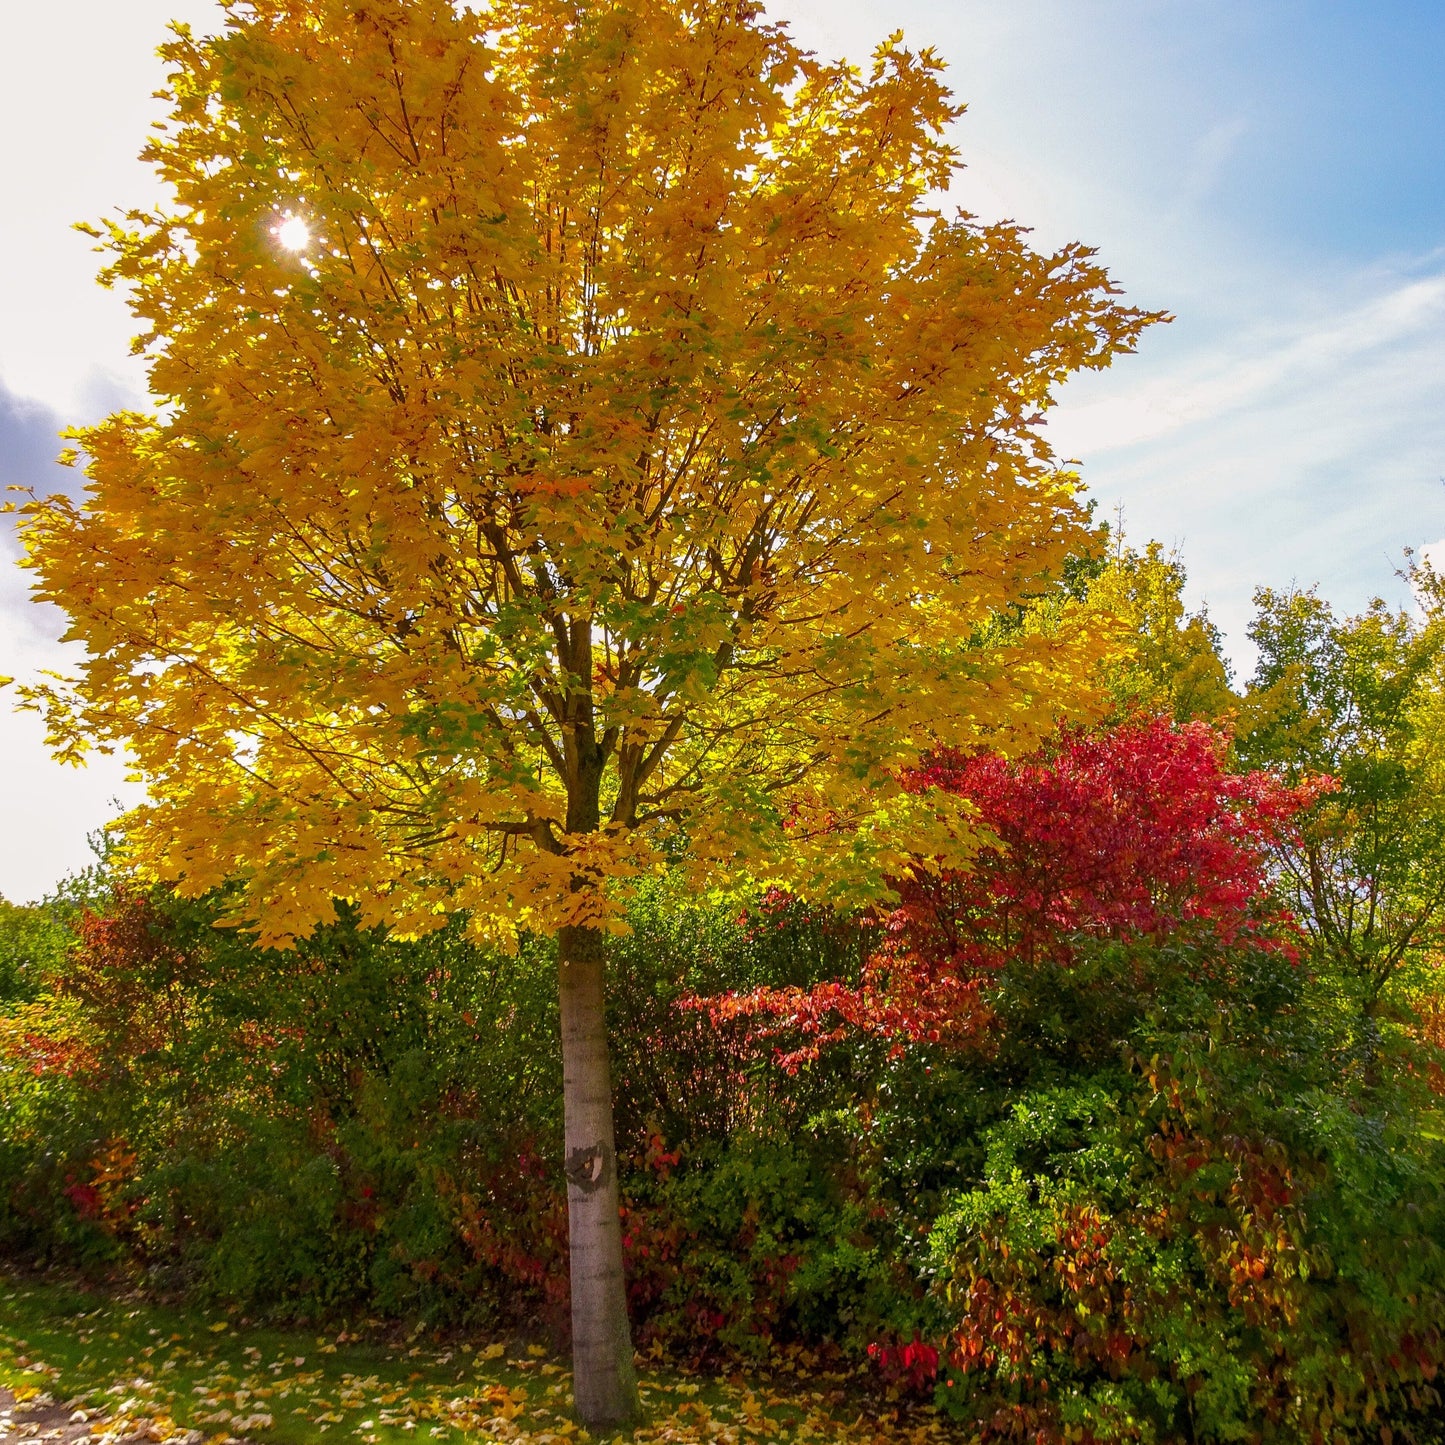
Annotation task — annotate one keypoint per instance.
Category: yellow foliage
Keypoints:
(623, 444)
(1173, 661)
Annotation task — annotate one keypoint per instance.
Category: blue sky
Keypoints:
(1273, 172)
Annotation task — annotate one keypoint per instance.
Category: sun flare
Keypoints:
(292, 233)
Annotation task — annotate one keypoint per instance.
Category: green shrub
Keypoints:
(1225, 1234)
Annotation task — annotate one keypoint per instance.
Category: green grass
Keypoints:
(184, 1369)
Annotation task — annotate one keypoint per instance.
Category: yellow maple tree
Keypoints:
(582, 437)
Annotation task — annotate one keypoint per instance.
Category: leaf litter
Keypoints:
(123, 1370)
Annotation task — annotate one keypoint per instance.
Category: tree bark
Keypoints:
(604, 1382)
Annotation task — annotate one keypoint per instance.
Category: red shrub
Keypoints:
(1133, 833)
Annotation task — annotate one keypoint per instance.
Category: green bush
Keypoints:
(1225, 1233)
(1166, 1197)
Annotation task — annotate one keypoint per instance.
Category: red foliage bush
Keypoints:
(1134, 833)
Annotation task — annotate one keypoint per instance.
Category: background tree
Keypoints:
(581, 437)
(1358, 699)
(1176, 660)
(1167, 659)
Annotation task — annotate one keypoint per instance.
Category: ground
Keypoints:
(111, 1367)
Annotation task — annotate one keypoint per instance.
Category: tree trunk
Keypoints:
(603, 1378)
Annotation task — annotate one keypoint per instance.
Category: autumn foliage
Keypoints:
(1136, 833)
(594, 473)
(633, 421)
(1149, 1184)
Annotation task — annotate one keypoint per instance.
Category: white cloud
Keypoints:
(1354, 358)
(1211, 156)
(1308, 449)
(49, 809)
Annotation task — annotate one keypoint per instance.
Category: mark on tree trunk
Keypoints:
(589, 1166)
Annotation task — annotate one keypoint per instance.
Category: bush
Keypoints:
(1153, 1189)
(1225, 1234)
(315, 1130)
(364, 1124)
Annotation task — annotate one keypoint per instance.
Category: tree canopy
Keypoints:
(1358, 700)
(579, 427)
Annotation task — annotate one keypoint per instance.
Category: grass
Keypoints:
(173, 1370)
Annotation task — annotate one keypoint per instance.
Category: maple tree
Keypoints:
(581, 435)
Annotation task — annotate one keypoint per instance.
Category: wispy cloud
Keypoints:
(1207, 164)
(1310, 448)
(1354, 358)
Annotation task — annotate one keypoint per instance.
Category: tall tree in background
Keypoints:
(1362, 701)
(579, 436)
(1175, 661)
